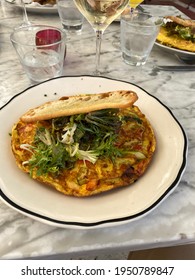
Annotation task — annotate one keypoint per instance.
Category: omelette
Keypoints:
(178, 33)
(87, 153)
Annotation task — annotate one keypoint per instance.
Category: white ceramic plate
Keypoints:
(45, 204)
(185, 55)
(36, 7)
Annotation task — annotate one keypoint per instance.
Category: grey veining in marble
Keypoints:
(172, 222)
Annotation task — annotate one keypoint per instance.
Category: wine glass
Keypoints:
(26, 21)
(100, 14)
(134, 3)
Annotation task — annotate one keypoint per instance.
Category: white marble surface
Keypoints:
(172, 222)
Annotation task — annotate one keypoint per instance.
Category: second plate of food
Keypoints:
(49, 7)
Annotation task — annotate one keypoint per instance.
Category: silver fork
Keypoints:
(189, 61)
(188, 64)
(175, 67)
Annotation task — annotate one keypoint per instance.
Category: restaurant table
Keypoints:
(173, 221)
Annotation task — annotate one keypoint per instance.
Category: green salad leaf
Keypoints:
(79, 137)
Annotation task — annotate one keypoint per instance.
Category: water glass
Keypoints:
(138, 34)
(41, 50)
(70, 16)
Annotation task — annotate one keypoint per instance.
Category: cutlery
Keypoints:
(189, 61)
(175, 68)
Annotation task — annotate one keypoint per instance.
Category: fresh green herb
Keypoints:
(186, 33)
(49, 156)
(83, 136)
(106, 147)
(132, 117)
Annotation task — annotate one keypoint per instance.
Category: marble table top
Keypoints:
(173, 221)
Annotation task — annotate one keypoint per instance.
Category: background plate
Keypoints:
(36, 7)
(45, 204)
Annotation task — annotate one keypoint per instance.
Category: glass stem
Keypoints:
(132, 10)
(98, 50)
(25, 16)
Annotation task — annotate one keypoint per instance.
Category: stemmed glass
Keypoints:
(100, 14)
(134, 3)
(26, 21)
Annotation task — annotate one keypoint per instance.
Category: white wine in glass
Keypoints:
(100, 14)
(134, 3)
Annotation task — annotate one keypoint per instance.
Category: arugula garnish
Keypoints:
(84, 136)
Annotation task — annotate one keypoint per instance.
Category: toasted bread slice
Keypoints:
(181, 21)
(77, 104)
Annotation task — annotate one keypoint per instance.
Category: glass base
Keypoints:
(73, 28)
(134, 60)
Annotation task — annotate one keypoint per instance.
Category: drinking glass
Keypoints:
(138, 34)
(133, 4)
(70, 16)
(41, 51)
(100, 14)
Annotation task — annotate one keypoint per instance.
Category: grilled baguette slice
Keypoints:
(77, 104)
(181, 21)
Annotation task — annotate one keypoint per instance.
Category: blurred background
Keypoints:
(185, 6)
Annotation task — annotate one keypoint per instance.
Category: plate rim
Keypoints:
(110, 221)
(172, 50)
(36, 8)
